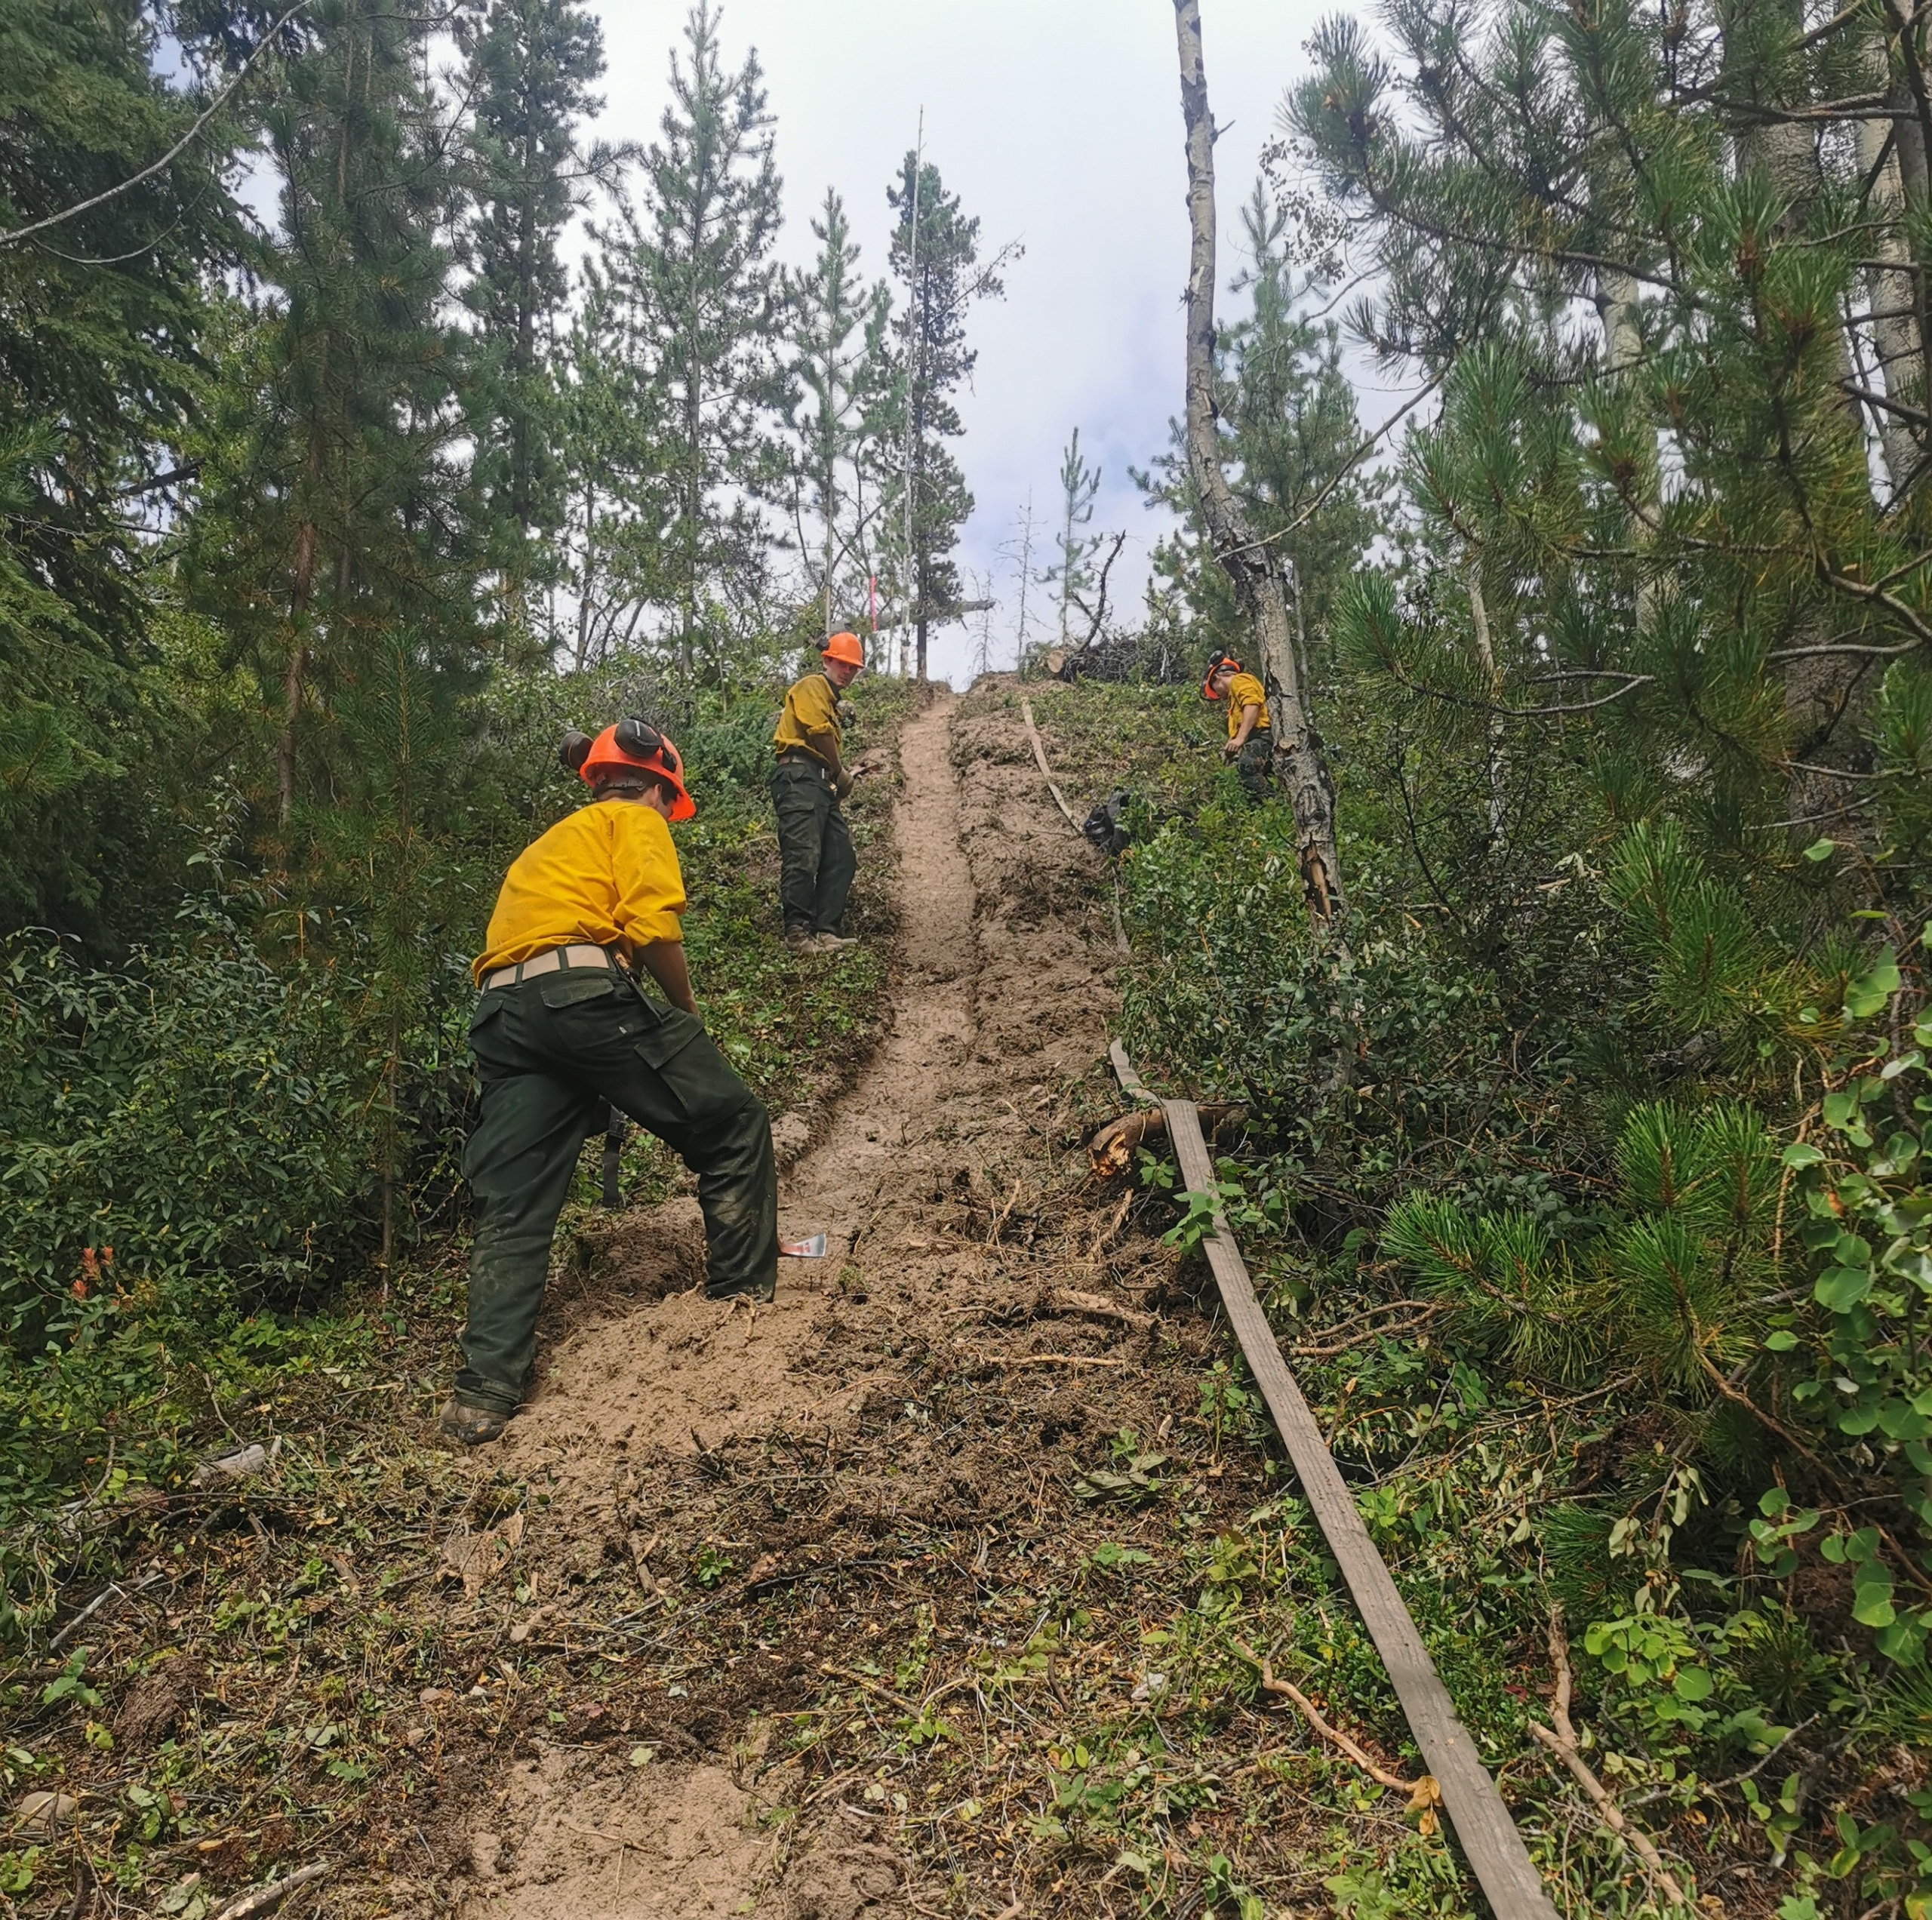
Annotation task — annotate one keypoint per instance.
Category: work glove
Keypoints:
(842, 786)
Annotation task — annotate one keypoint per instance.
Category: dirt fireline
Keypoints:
(999, 999)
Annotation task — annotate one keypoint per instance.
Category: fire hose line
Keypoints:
(1484, 1827)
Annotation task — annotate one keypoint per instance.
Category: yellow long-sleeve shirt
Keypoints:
(811, 707)
(607, 875)
(1245, 690)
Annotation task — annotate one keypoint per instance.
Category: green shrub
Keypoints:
(192, 1124)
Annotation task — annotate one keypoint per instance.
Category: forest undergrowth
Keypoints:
(1011, 1624)
(1599, 1265)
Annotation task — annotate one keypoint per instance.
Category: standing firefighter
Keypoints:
(1250, 744)
(810, 778)
(586, 925)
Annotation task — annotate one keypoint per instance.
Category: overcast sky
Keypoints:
(1058, 123)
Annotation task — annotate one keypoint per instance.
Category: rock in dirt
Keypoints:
(242, 1462)
(477, 1559)
(155, 1703)
(42, 1813)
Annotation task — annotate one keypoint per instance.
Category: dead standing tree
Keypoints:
(1251, 565)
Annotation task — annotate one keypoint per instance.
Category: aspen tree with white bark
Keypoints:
(1252, 563)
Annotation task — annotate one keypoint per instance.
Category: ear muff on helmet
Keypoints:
(1216, 662)
(638, 739)
(635, 746)
(573, 749)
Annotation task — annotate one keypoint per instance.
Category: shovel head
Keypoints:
(813, 1248)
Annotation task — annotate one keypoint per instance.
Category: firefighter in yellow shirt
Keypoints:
(586, 998)
(815, 861)
(1250, 744)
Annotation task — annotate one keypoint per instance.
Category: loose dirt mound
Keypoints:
(569, 1845)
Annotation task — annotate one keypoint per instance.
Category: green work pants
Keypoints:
(816, 860)
(1255, 763)
(548, 1051)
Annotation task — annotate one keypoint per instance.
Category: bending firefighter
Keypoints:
(1250, 745)
(585, 999)
(814, 846)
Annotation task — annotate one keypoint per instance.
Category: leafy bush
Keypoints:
(193, 1121)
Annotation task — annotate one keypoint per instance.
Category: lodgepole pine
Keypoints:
(1253, 568)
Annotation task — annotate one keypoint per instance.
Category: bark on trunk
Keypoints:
(1493, 748)
(295, 664)
(1253, 570)
(1897, 343)
(1821, 691)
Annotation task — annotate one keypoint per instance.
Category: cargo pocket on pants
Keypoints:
(675, 1030)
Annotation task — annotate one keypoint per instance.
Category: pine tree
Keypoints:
(530, 67)
(618, 505)
(1717, 641)
(709, 316)
(1078, 484)
(334, 480)
(935, 258)
(835, 365)
(104, 317)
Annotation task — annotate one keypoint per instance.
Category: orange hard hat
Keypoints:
(1214, 666)
(636, 744)
(844, 646)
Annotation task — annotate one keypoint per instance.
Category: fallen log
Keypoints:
(1111, 1150)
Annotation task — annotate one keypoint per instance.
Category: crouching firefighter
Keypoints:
(816, 860)
(1250, 743)
(585, 999)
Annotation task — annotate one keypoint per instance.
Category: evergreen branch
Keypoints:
(1842, 646)
(1877, 596)
(1512, 249)
(1632, 682)
(1341, 473)
(1843, 18)
(1856, 107)
(1836, 773)
(174, 153)
(1917, 415)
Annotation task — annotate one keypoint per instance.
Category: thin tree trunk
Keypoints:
(296, 664)
(693, 496)
(1895, 334)
(589, 576)
(1821, 691)
(1493, 685)
(1623, 348)
(1253, 570)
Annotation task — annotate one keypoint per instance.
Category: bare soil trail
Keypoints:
(998, 1002)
